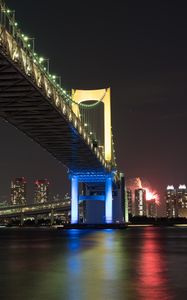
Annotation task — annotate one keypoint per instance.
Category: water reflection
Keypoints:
(92, 270)
(152, 268)
(133, 264)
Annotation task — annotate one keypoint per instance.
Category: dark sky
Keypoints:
(139, 49)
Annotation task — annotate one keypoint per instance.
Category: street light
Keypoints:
(44, 60)
(56, 79)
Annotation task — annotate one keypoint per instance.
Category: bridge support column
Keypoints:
(52, 217)
(74, 199)
(22, 219)
(108, 200)
(36, 220)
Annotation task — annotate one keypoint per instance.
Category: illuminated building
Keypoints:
(151, 208)
(176, 201)
(181, 201)
(130, 204)
(140, 202)
(171, 203)
(41, 191)
(18, 191)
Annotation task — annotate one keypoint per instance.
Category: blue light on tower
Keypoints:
(108, 200)
(91, 177)
(74, 199)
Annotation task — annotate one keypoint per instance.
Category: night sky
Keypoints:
(139, 49)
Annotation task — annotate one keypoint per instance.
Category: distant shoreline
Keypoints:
(95, 226)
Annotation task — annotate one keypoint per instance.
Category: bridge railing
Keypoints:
(33, 207)
(17, 47)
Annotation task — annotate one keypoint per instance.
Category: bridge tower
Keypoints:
(104, 178)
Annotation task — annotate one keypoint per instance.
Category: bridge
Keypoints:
(33, 210)
(33, 100)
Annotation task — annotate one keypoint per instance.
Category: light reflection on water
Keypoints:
(137, 263)
(152, 268)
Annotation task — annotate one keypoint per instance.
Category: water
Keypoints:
(137, 263)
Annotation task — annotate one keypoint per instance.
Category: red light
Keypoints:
(152, 267)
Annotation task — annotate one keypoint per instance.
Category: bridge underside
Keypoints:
(25, 106)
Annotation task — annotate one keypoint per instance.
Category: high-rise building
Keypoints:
(18, 191)
(151, 208)
(171, 202)
(140, 202)
(41, 191)
(130, 203)
(176, 201)
(181, 197)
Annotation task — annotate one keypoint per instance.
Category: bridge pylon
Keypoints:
(94, 179)
(91, 180)
(100, 95)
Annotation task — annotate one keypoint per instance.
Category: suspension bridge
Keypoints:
(74, 126)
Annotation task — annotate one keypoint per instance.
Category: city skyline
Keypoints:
(30, 192)
(133, 185)
(142, 201)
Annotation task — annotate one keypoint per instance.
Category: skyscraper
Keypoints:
(171, 202)
(130, 204)
(140, 202)
(181, 200)
(18, 191)
(41, 191)
(151, 208)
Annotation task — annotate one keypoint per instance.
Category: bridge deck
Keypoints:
(34, 209)
(24, 106)
(33, 105)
